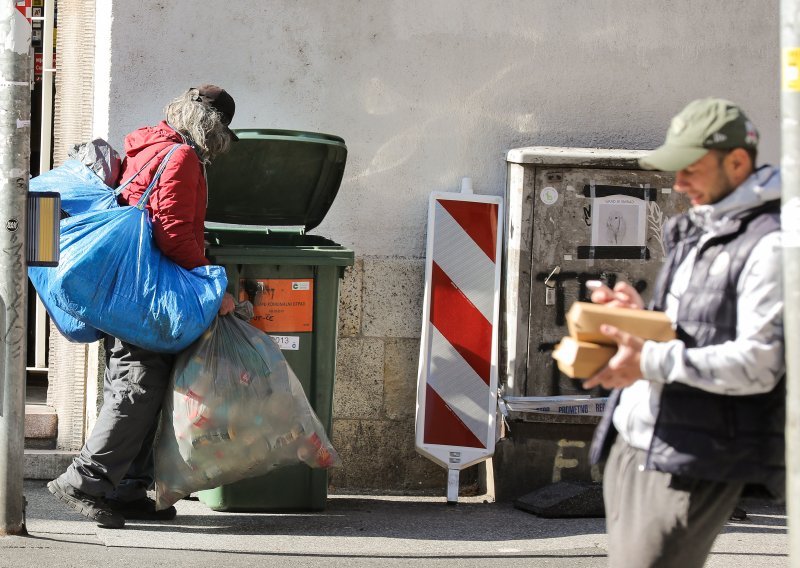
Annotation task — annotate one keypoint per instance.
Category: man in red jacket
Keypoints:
(108, 481)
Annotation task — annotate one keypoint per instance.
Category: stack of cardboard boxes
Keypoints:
(586, 350)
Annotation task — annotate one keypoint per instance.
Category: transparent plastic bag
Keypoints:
(235, 410)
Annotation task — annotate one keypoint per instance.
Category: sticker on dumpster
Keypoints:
(280, 305)
(287, 342)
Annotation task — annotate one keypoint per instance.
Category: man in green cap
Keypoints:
(691, 422)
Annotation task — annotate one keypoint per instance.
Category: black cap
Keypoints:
(219, 99)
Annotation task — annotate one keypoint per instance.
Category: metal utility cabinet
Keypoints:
(264, 195)
(573, 214)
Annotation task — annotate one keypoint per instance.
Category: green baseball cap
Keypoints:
(703, 125)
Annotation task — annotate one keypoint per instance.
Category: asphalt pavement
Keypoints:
(355, 531)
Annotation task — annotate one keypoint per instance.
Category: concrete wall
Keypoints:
(425, 92)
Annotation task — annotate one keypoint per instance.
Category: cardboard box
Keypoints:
(581, 360)
(585, 351)
(584, 320)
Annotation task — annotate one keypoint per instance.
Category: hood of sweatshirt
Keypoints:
(161, 133)
(762, 186)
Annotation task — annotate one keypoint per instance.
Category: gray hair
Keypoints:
(202, 123)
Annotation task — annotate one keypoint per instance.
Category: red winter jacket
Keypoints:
(177, 204)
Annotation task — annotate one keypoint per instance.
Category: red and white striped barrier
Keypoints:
(457, 380)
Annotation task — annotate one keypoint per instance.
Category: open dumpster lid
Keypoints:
(276, 178)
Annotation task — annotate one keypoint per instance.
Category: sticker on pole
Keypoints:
(457, 379)
(24, 8)
(790, 69)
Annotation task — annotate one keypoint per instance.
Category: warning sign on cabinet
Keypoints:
(280, 304)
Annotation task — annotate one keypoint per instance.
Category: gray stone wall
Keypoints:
(376, 378)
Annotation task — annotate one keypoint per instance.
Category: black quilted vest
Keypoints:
(700, 434)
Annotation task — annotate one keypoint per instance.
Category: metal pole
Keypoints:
(790, 218)
(15, 108)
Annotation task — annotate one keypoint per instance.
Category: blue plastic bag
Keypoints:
(81, 191)
(73, 329)
(114, 278)
(80, 188)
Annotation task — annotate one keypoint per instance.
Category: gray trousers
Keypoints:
(117, 459)
(658, 519)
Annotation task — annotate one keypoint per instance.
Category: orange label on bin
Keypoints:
(280, 304)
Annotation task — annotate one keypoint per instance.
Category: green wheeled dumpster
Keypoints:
(264, 196)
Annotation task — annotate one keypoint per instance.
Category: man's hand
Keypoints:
(622, 296)
(624, 367)
(228, 304)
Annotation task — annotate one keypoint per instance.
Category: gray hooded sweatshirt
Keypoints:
(750, 364)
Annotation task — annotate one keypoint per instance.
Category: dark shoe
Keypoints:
(739, 514)
(143, 509)
(87, 505)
